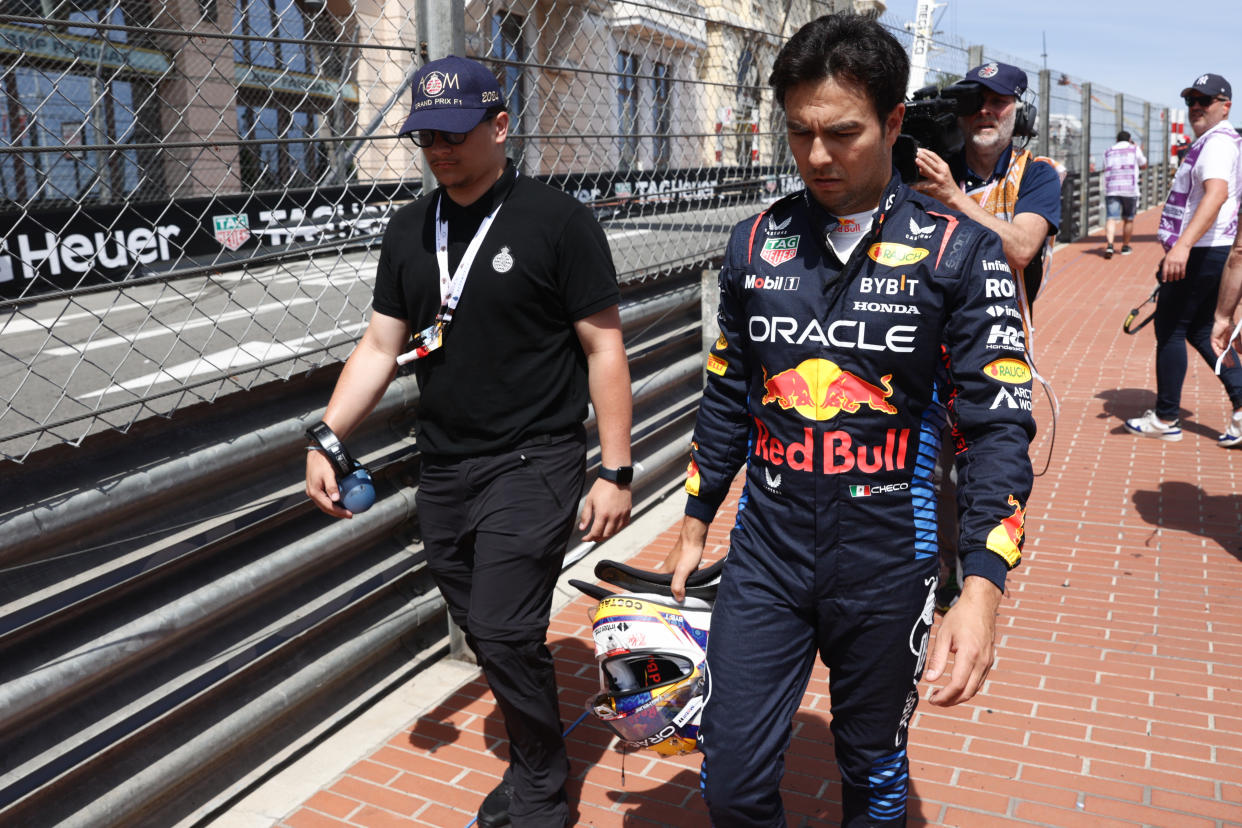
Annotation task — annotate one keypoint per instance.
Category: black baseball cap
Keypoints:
(452, 94)
(999, 77)
(1214, 86)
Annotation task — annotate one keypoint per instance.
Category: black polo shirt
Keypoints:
(511, 366)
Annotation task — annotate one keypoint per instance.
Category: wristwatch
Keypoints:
(621, 475)
(326, 440)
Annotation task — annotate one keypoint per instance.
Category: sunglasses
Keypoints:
(1200, 100)
(424, 138)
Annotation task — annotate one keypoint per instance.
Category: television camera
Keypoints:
(931, 121)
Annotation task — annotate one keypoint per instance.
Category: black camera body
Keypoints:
(931, 122)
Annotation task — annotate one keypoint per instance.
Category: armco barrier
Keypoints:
(173, 609)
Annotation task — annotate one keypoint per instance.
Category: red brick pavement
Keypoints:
(1116, 698)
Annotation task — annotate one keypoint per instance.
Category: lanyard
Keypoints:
(432, 337)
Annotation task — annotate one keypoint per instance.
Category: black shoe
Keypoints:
(494, 811)
(1108, 252)
(1126, 250)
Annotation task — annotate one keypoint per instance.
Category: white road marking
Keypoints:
(111, 341)
(229, 360)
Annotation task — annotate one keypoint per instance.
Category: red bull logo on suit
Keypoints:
(819, 390)
(1005, 539)
(835, 454)
(692, 473)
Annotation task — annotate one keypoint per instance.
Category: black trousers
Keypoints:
(1184, 314)
(495, 529)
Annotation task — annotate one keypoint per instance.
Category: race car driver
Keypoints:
(853, 315)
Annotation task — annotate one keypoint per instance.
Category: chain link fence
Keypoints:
(192, 192)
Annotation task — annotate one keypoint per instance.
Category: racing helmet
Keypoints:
(652, 661)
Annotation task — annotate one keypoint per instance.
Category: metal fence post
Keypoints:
(443, 31)
(1163, 183)
(1084, 184)
(443, 27)
(1146, 200)
(974, 56)
(1045, 112)
(709, 305)
(1119, 104)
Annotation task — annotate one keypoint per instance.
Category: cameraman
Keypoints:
(1017, 195)
(1005, 189)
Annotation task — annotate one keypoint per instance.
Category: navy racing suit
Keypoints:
(832, 381)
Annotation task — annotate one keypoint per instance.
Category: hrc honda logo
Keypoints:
(755, 282)
(778, 251)
(1006, 338)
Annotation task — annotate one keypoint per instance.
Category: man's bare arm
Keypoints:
(1228, 297)
(607, 507)
(1215, 192)
(1022, 238)
(362, 382)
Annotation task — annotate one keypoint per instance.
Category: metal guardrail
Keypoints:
(1153, 190)
(150, 660)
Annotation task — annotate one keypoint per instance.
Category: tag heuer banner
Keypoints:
(46, 251)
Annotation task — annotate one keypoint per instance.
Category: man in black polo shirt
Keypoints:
(508, 289)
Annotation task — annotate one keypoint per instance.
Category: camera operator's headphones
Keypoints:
(1026, 119)
(353, 481)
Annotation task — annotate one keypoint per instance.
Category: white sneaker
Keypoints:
(1233, 432)
(1149, 425)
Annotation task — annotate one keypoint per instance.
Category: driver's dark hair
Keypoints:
(846, 47)
(1123, 136)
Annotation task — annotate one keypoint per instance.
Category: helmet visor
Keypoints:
(651, 713)
(638, 671)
